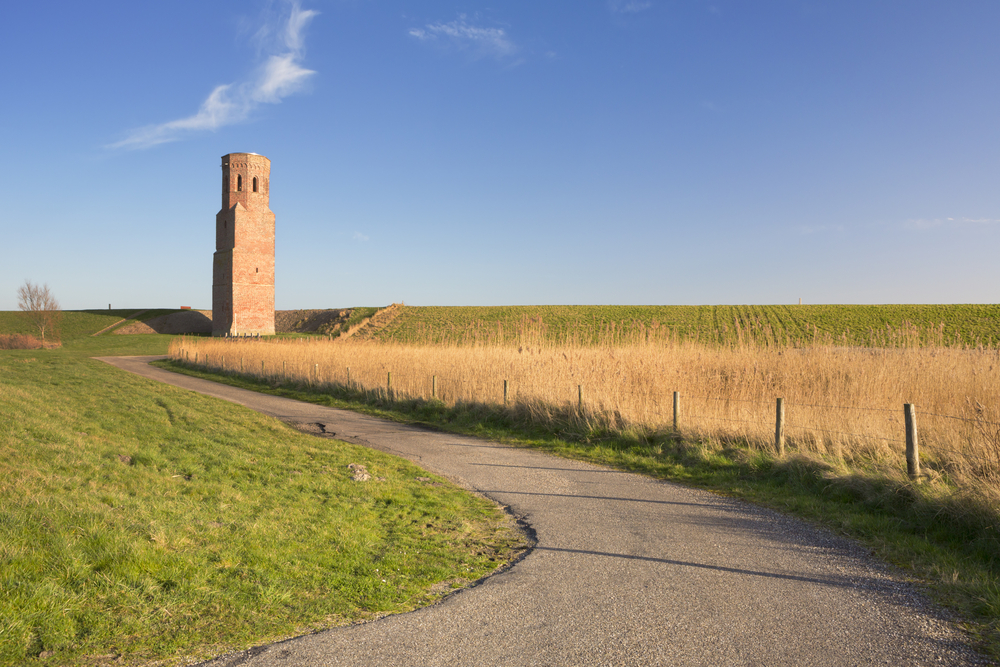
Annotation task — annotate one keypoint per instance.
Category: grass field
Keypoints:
(943, 535)
(880, 326)
(942, 529)
(140, 523)
(356, 317)
(74, 324)
(612, 404)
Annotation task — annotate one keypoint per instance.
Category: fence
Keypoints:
(875, 432)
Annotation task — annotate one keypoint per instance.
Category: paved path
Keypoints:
(627, 571)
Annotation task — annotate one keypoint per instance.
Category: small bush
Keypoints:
(19, 342)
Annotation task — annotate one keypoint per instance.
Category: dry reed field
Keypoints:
(841, 402)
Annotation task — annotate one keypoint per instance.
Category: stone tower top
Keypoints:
(245, 179)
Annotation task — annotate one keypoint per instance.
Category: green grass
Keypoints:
(947, 540)
(76, 324)
(358, 314)
(143, 317)
(845, 324)
(887, 325)
(355, 317)
(147, 523)
(142, 523)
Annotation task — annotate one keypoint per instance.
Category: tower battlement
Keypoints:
(243, 264)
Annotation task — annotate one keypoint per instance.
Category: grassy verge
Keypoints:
(140, 523)
(947, 540)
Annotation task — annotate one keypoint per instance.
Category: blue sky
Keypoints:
(545, 152)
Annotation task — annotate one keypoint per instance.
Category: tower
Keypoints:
(243, 271)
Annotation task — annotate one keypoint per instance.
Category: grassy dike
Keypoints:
(843, 324)
(948, 541)
(142, 524)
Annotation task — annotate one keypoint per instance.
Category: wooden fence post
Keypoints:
(241, 365)
(388, 384)
(316, 373)
(779, 427)
(579, 396)
(284, 371)
(349, 377)
(677, 411)
(505, 392)
(262, 375)
(912, 443)
(434, 386)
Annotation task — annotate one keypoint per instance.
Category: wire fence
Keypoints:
(827, 428)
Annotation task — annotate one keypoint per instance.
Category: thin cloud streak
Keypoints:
(462, 35)
(278, 77)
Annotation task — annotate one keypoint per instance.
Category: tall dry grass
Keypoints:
(841, 402)
(19, 342)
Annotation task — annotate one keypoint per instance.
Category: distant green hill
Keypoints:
(888, 325)
(884, 326)
(75, 323)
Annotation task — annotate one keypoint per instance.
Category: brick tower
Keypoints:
(243, 272)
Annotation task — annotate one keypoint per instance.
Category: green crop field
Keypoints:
(888, 325)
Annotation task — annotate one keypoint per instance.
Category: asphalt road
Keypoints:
(627, 571)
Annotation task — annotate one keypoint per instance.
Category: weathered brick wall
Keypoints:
(243, 266)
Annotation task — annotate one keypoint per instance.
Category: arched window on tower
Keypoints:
(255, 184)
(239, 184)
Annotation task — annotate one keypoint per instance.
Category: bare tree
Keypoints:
(40, 308)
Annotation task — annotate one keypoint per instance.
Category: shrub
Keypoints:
(19, 342)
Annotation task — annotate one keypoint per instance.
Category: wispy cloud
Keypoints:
(629, 6)
(931, 223)
(279, 75)
(358, 236)
(463, 35)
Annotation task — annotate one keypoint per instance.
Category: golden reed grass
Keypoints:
(839, 401)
